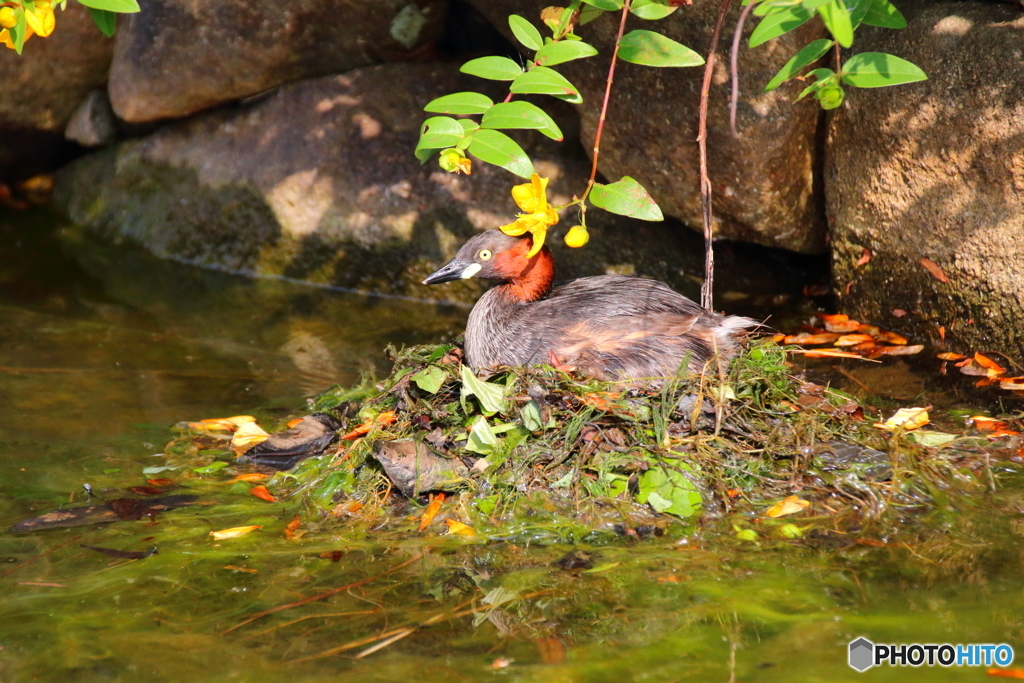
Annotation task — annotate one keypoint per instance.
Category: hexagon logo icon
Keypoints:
(862, 653)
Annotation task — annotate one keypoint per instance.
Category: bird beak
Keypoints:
(455, 269)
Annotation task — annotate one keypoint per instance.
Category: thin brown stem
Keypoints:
(706, 297)
(607, 98)
(734, 70)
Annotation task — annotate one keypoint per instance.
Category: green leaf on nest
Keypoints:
(490, 395)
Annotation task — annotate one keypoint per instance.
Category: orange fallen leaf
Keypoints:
(160, 482)
(289, 530)
(250, 477)
(1011, 383)
(291, 423)
(380, 420)
(890, 337)
(601, 400)
(933, 268)
(906, 419)
(833, 317)
(1005, 673)
(806, 338)
(246, 436)
(993, 367)
(901, 350)
(873, 330)
(791, 505)
(829, 353)
(949, 355)
(865, 256)
(865, 346)
(842, 326)
(349, 508)
(221, 424)
(671, 578)
(234, 532)
(986, 424)
(262, 493)
(431, 511)
(776, 338)
(459, 529)
(852, 339)
(732, 493)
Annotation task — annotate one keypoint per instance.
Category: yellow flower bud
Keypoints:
(577, 236)
(454, 161)
(8, 19)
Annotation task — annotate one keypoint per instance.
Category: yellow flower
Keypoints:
(42, 19)
(532, 198)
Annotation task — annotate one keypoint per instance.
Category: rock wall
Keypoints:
(317, 182)
(936, 172)
(43, 87)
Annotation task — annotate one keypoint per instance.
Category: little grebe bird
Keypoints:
(609, 326)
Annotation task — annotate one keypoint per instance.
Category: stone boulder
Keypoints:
(177, 57)
(43, 87)
(318, 183)
(765, 189)
(935, 170)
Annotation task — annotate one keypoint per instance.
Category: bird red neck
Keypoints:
(528, 279)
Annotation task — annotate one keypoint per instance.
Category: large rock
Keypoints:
(935, 170)
(318, 182)
(764, 180)
(177, 57)
(43, 87)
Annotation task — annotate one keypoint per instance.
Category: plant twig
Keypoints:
(321, 596)
(607, 98)
(41, 555)
(706, 297)
(734, 70)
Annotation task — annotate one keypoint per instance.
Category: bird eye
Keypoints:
(484, 255)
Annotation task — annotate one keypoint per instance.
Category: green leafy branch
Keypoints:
(453, 137)
(21, 19)
(841, 18)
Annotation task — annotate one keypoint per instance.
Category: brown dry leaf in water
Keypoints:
(431, 511)
(933, 268)
(234, 532)
(790, 506)
(459, 529)
(906, 419)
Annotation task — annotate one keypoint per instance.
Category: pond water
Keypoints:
(103, 350)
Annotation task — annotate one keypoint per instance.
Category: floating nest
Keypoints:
(539, 455)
